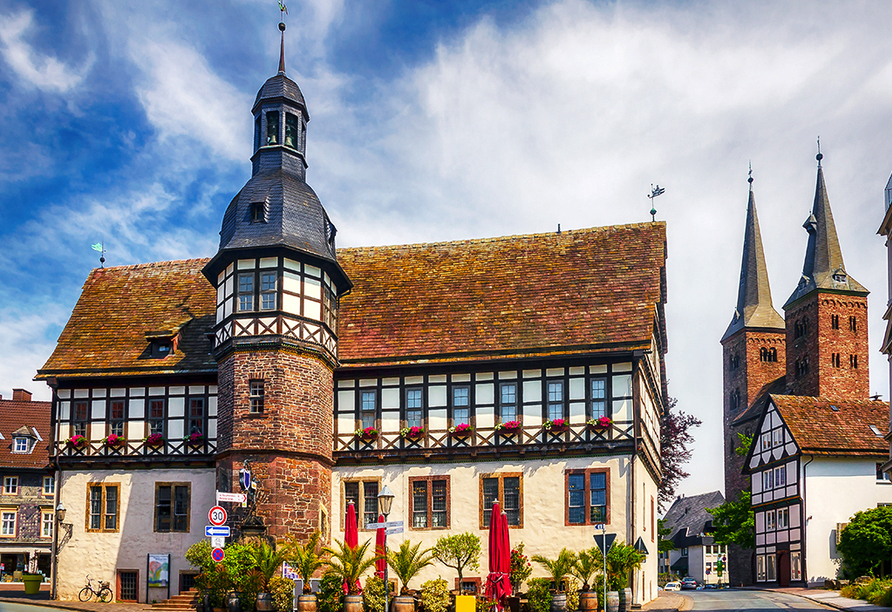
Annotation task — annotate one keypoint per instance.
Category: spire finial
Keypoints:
(654, 192)
(282, 49)
(820, 155)
(750, 177)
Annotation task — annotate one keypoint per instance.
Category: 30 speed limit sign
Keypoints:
(217, 515)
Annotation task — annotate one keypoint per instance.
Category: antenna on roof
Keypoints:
(100, 246)
(654, 192)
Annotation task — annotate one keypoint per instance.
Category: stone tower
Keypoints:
(753, 345)
(826, 316)
(275, 338)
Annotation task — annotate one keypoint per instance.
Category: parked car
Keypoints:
(688, 583)
(672, 586)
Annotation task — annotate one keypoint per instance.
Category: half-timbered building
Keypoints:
(525, 369)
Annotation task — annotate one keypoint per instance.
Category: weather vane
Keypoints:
(654, 192)
(749, 178)
(819, 156)
(283, 9)
(100, 247)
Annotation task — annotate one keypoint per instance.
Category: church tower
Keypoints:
(278, 282)
(753, 345)
(826, 316)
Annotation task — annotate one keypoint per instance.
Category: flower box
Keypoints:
(556, 426)
(461, 430)
(509, 427)
(412, 433)
(155, 439)
(368, 434)
(194, 439)
(599, 424)
(115, 441)
(77, 441)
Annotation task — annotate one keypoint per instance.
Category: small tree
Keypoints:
(458, 552)
(664, 544)
(867, 541)
(559, 567)
(267, 561)
(521, 568)
(350, 563)
(408, 561)
(622, 559)
(675, 449)
(304, 558)
(588, 563)
(734, 522)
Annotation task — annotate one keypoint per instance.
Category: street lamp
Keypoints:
(385, 503)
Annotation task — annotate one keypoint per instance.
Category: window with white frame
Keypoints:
(780, 476)
(20, 444)
(760, 568)
(7, 523)
(766, 441)
(770, 520)
(777, 437)
(770, 568)
(46, 523)
(767, 480)
(796, 565)
(783, 518)
(461, 402)
(555, 399)
(414, 409)
(599, 397)
(10, 485)
(49, 485)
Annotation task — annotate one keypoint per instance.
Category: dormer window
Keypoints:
(258, 212)
(272, 128)
(20, 444)
(291, 131)
(161, 348)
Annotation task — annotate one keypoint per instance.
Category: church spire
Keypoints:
(282, 49)
(823, 267)
(754, 308)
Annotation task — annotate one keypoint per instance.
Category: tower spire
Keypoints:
(823, 267)
(282, 49)
(754, 308)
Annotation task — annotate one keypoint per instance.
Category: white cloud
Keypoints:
(35, 68)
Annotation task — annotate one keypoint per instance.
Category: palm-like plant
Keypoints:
(267, 561)
(349, 563)
(408, 561)
(588, 563)
(622, 559)
(304, 558)
(559, 567)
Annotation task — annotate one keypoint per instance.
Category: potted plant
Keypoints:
(77, 441)
(435, 595)
(305, 560)
(521, 568)
(621, 560)
(367, 435)
(194, 439)
(412, 433)
(588, 563)
(555, 426)
(508, 427)
(599, 424)
(32, 583)
(458, 551)
(558, 568)
(267, 561)
(115, 441)
(349, 564)
(406, 563)
(461, 430)
(155, 439)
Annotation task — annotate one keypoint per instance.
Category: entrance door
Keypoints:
(783, 568)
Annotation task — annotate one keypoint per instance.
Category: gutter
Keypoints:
(804, 524)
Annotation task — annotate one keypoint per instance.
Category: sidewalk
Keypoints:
(669, 601)
(832, 599)
(14, 592)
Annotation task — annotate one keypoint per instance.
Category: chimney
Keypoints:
(20, 395)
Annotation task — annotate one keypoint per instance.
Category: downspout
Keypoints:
(804, 520)
(636, 419)
(56, 523)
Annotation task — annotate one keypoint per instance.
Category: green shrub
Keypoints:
(484, 604)
(282, 590)
(435, 595)
(330, 597)
(539, 594)
(572, 590)
(373, 594)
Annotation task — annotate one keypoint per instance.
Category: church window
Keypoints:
(555, 400)
(587, 495)
(246, 292)
(414, 409)
(507, 490)
(599, 397)
(267, 290)
(257, 142)
(734, 361)
(801, 367)
(834, 321)
(368, 409)
(172, 505)
(272, 128)
(800, 328)
(853, 361)
(461, 405)
(364, 495)
(834, 360)
(853, 324)
(734, 399)
(508, 402)
(196, 415)
(256, 396)
(103, 504)
(430, 502)
(156, 416)
(80, 418)
(116, 417)
(767, 354)
(291, 131)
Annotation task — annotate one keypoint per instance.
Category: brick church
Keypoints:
(799, 385)
(524, 369)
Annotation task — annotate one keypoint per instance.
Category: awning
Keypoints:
(25, 550)
(681, 564)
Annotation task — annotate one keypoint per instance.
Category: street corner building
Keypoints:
(798, 386)
(524, 369)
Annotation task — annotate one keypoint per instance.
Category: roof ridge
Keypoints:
(510, 237)
(152, 264)
(830, 399)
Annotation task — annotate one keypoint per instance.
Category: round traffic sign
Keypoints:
(217, 515)
(217, 554)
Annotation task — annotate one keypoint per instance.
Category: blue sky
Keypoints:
(130, 123)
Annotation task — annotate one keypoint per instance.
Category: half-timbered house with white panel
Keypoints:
(813, 464)
(525, 369)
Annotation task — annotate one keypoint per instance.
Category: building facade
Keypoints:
(696, 554)
(309, 366)
(778, 368)
(27, 519)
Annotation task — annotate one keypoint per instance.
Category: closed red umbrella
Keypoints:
(380, 535)
(351, 538)
(505, 557)
(494, 578)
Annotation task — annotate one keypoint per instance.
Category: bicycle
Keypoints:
(103, 593)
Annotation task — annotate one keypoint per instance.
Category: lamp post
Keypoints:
(385, 503)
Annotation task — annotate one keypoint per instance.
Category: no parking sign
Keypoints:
(217, 554)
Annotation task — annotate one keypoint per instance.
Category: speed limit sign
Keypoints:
(217, 515)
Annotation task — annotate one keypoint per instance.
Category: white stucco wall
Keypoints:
(835, 489)
(102, 554)
(543, 531)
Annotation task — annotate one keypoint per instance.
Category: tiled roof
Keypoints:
(820, 430)
(14, 415)
(106, 334)
(688, 518)
(754, 411)
(584, 290)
